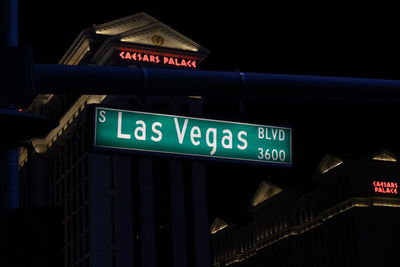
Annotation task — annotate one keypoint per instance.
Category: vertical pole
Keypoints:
(9, 183)
(9, 22)
(9, 178)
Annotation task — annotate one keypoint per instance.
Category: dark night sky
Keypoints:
(269, 39)
(272, 39)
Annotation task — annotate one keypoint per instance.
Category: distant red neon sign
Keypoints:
(385, 187)
(158, 58)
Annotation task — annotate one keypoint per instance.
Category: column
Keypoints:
(200, 218)
(147, 213)
(199, 195)
(99, 172)
(178, 219)
(123, 211)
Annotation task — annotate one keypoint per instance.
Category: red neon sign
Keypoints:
(158, 58)
(385, 187)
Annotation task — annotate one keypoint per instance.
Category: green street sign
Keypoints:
(179, 135)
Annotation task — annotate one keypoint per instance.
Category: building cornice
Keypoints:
(355, 202)
(41, 145)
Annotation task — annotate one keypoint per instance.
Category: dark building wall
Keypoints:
(342, 222)
(377, 232)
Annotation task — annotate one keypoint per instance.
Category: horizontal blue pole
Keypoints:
(175, 82)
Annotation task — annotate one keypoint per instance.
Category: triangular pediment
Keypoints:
(329, 162)
(218, 225)
(385, 155)
(143, 29)
(265, 191)
(160, 35)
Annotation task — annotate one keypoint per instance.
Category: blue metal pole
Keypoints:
(9, 22)
(9, 178)
(172, 82)
(9, 183)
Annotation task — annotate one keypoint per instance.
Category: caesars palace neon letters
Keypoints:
(385, 187)
(158, 58)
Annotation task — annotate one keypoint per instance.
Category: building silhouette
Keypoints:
(120, 209)
(349, 218)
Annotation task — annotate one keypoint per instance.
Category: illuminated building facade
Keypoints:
(120, 209)
(349, 219)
